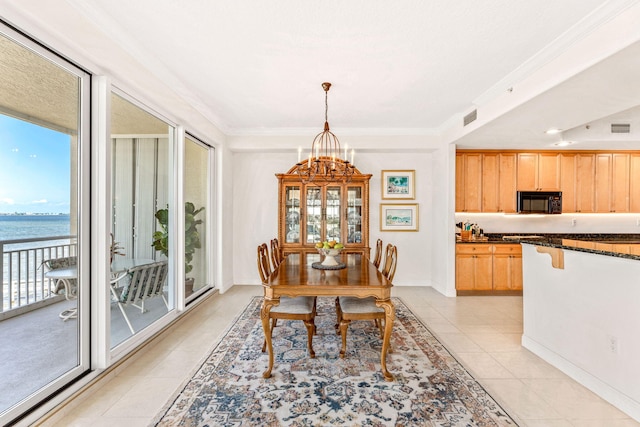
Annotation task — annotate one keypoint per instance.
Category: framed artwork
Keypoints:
(402, 217)
(398, 184)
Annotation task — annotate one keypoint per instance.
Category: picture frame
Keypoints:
(398, 184)
(399, 217)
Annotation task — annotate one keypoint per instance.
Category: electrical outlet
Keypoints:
(574, 221)
(613, 344)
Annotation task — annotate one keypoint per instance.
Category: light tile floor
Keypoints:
(482, 332)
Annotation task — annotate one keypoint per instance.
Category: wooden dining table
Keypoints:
(360, 278)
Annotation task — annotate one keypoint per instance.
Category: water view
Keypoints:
(14, 227)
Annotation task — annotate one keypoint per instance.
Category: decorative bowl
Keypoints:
(329, 255)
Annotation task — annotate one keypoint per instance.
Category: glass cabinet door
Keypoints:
(292, 214)
(332, 214)
(313, 215)
(354, 214)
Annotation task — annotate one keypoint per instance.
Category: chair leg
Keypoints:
(338, 316)
(126, 318)
(344, 325)
(264, 342)
(310, 329)
(380, 324)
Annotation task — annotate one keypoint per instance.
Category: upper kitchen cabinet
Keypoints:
(485, 182)
(634, 183)
(612, 182)
(538, 171)
(585, 183)
(498, 182)
(469, 182)
(590, 181)
(309, 214)
(568, 181)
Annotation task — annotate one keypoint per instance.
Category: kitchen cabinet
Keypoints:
(612, 182)
(507, 268)
(585, 182)
(485, 182)
(498, 182)
(469, 182)
(634, 182)
(590, 181)
(538, 171)
(474, 267)
(568, 182)
(308, 214)
(485, 268)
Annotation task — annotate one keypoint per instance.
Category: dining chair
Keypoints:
(276, 253)
(294, 308)
(353, 308)
(378, 254)
(390, 261)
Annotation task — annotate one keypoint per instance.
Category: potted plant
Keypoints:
(191, 238)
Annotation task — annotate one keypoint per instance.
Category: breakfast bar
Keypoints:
(581, 299)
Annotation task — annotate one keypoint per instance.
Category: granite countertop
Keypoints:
(603, 244)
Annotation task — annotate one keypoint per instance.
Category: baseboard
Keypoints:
(599, 387)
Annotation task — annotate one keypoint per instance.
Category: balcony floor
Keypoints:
(37, 347)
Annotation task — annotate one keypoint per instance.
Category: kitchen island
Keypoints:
(581, 305)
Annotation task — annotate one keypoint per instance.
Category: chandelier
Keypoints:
(324, 164)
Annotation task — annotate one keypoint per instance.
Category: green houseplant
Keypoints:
(191, 235)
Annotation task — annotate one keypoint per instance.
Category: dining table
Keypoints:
(297, 276)
(66, 277)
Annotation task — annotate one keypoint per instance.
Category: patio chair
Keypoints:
(68, 287)
(297, 308)
(353, 308)
(144, 282)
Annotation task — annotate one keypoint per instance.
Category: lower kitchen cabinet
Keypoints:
(507, 267)
(485, 269)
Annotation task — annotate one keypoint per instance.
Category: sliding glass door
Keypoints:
(44, 286)
(198, 158)
(141, 289)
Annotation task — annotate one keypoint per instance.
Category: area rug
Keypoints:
(431, 387)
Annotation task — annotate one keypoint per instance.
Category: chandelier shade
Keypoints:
(325, 164)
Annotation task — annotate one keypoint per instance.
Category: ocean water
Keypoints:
(14, 227)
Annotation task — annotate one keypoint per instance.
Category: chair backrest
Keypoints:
(378, 255)
(146, 281)
(264, 268)
(390, 262)
(276, 254)
(63, 262)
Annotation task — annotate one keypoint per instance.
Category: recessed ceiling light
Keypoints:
(553, 131)
(563, 143)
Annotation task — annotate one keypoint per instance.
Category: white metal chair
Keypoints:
(353, 308)
(145, 282)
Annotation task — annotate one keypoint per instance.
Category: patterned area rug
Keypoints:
(431, 387)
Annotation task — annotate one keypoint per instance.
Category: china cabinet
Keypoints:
(310, 213)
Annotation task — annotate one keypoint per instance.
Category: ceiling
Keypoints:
(408, 67)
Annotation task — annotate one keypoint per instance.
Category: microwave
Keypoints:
(539, 202)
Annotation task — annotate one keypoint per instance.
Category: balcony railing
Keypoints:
(23, 275)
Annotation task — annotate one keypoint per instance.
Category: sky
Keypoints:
(34, 168)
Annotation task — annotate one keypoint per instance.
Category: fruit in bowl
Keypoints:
(329, 249)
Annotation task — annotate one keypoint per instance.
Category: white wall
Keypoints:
(255, 211)
(563, 223)
(571, 315)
